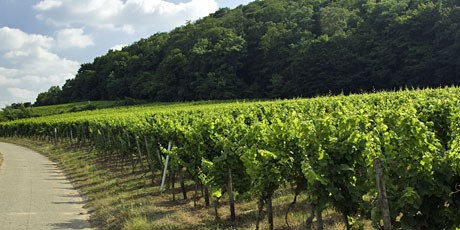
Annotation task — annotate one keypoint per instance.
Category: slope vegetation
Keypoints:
(323, 148)
(281, 49)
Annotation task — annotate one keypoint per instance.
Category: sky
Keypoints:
(44, 42)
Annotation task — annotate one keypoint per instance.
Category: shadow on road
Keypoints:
(72, 224)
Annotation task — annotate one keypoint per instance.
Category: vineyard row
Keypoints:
(328, 147)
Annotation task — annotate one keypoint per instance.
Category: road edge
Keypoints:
(83, 196)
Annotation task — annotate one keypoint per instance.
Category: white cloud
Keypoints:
(5, 71)
(16, 54)
(39, 61)
(23, 94)
(118, 47)
(4, 80)
(13, 39)
(129, 29)
(29, 66)
(68, 38)
(7, 77)
(47, 4)
(129, 16)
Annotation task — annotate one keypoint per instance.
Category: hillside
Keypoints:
(281, 49)
(19, 110)
(231, 161)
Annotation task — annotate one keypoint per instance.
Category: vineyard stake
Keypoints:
(149, 156)
(140, 153)
(71, 136)
(165, 168)
(384, 208)
(230, 194)
(159, 158)
(55, 135)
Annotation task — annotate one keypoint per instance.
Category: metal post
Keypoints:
(166, 167)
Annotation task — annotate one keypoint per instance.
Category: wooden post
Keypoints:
(182, 183)
(383, 201)
(309, 221)
(129, 141)
(140, 153)
(319, 219)
(216, 208)
(230, 194)
(173, 181)
(195, 195)
(149, 160)
(270, 212)
(260, 210)
(206, 196)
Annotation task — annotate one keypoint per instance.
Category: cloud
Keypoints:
(47, 4)
(128, 16)
(29, 66)
(5, 78)
(8, 81)
(14, 39)
(5, 71)
(24, 94)
(118, 47)
(69, 38)
(39, 61)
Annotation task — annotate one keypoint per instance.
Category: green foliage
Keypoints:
(281, 49)
(49, 98)
(324, 147)
(16, 111)
(25, 110)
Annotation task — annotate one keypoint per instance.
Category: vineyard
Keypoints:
(330, 148)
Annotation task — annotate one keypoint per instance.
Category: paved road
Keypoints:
(35, 195)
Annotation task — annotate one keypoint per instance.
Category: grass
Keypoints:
(122, 199)
(48, 110)
(120, 105)
(73, 107)
(40, 111)
(65, 108)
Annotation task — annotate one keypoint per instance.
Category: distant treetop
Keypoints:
(281, 49)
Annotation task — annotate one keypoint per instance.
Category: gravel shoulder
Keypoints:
(35, 194)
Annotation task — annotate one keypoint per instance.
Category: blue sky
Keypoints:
(44, 42)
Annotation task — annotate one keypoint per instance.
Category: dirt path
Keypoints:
(35, 194)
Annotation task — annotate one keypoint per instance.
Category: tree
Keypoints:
(16, 111)
(282, 49)
(51, 97)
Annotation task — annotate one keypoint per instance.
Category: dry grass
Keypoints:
(122, 199)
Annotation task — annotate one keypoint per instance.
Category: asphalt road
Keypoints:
(35, 194)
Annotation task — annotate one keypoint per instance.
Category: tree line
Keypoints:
(281, 49)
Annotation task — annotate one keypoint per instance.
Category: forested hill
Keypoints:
(282, 48)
